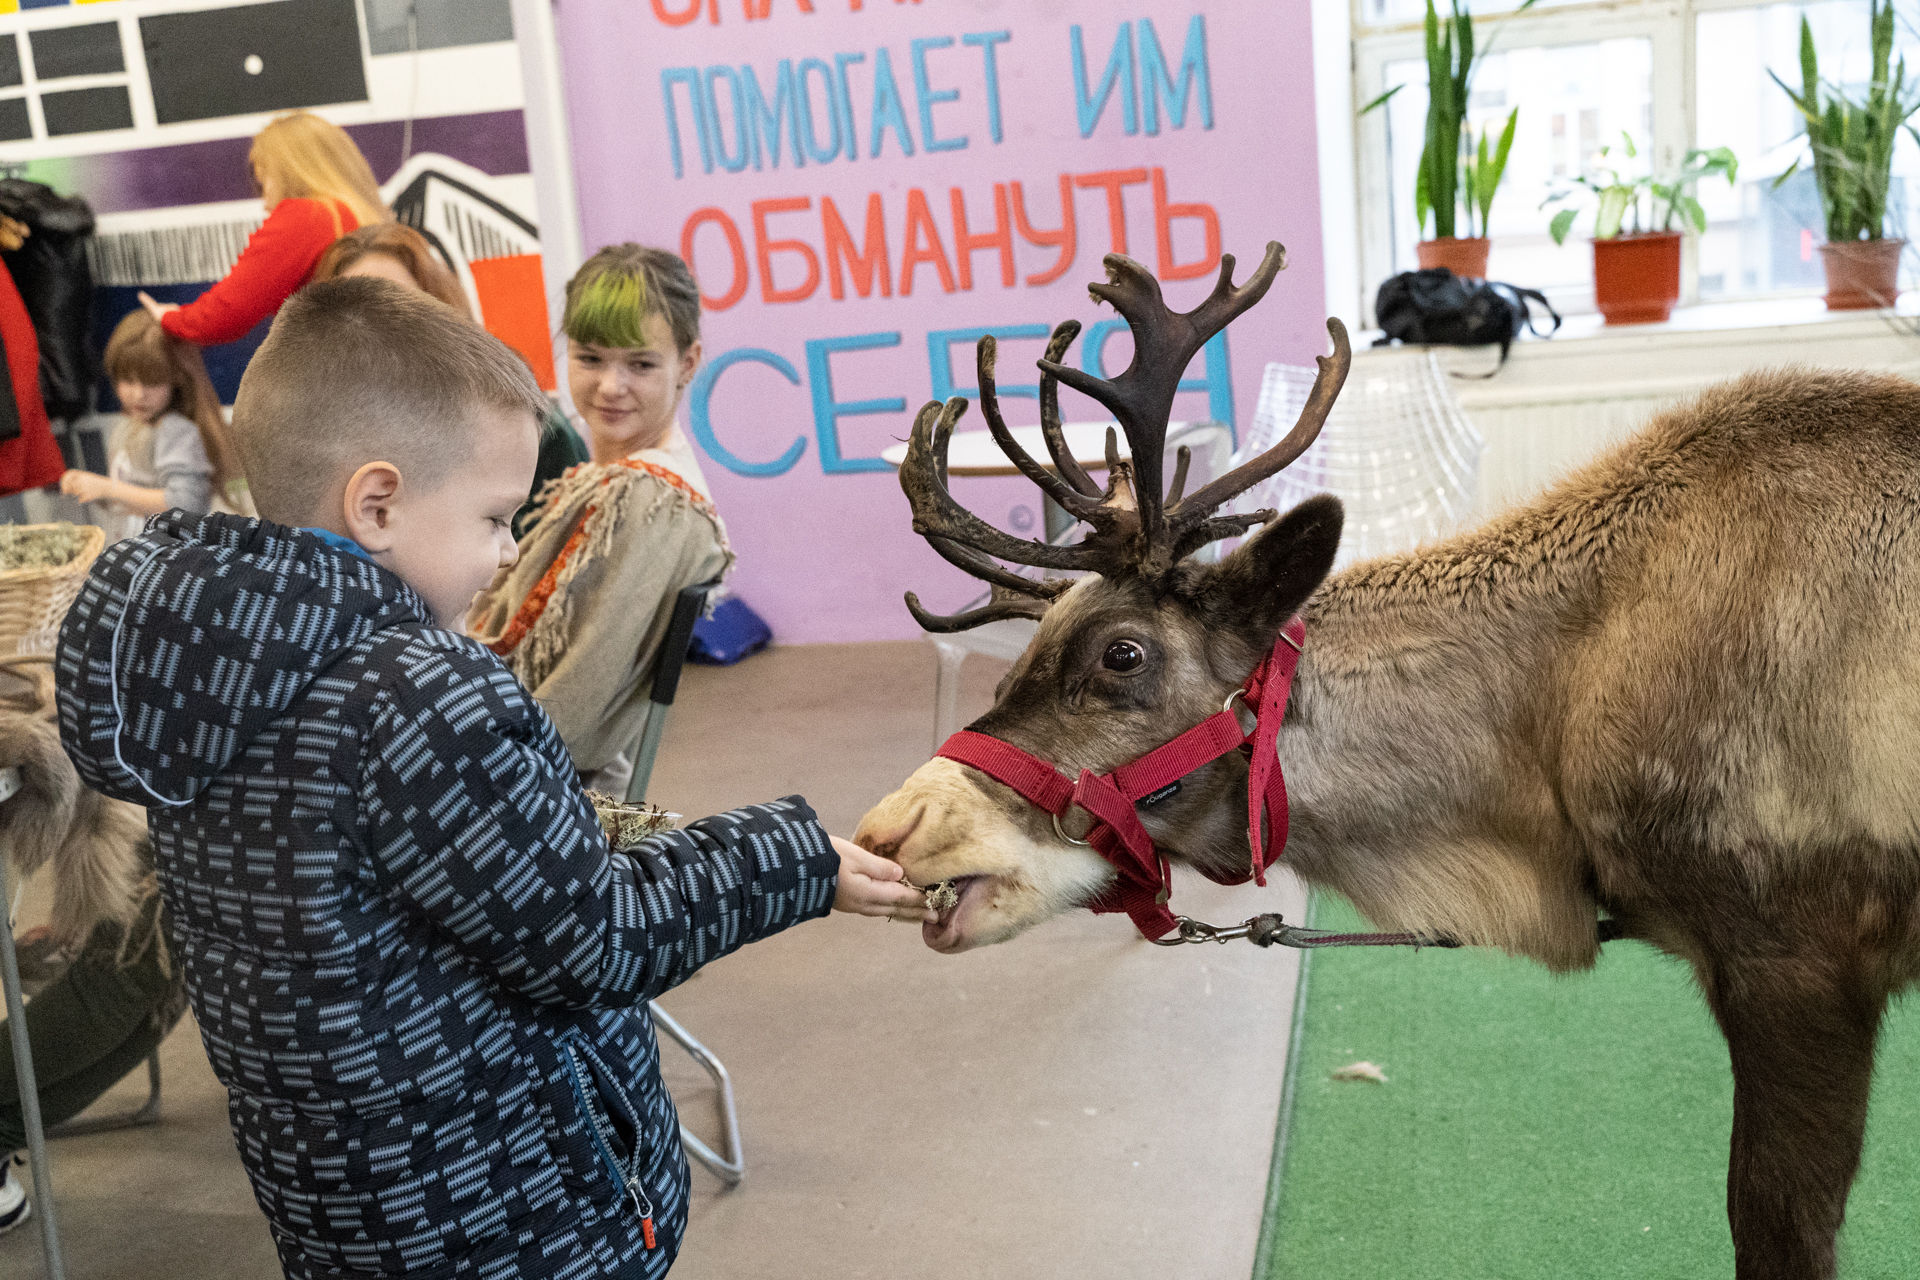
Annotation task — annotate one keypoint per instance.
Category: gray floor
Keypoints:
(1075, 1103)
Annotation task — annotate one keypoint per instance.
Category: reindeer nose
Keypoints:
(885, 828)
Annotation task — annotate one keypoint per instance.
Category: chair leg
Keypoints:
(946, 690)
(23, 1061)
(646, 749)
(147, 1113)
(733, 1166)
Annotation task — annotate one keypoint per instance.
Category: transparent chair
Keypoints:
(1397, 451)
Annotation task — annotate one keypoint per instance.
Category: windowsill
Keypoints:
(1704, 318)
(1698, 346)
(1744, 314)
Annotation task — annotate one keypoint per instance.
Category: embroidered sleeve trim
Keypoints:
(536, 602)
(542, 594)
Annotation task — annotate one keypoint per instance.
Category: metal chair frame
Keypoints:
(23, 1061)
(731, 1167)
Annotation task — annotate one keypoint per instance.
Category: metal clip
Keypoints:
(1191, 930)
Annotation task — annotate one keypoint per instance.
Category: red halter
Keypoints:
(1117, 835)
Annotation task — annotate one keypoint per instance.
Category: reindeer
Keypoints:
(1682, 689)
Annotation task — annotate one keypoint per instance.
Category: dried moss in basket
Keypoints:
(39, 547)
(628, 824)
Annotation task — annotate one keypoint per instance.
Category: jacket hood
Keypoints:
(188, 640)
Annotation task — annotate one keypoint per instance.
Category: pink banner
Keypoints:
(864, 187)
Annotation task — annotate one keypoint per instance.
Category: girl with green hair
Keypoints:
(581, 617)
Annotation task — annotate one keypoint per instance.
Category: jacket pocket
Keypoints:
(613, 1123)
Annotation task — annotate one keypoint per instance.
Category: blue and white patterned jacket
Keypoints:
(417, 968)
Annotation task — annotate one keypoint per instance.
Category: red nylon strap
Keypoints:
(1267, 690)
(1117, 835)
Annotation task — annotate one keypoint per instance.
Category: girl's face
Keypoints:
(629, 395)
(143, 400)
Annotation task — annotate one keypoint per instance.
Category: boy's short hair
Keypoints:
(361, 369)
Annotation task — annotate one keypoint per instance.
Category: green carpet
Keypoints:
(1534, 1127)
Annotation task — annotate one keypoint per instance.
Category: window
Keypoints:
(1761, 239)
(1673, 74)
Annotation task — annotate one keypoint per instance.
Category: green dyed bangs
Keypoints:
(607, 311)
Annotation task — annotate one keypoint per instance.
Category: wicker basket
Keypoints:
(33, 602)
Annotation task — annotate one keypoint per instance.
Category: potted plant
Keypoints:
(1458, 174)
(1636, 267)
(1852, 144)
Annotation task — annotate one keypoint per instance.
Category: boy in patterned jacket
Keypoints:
(418, 969)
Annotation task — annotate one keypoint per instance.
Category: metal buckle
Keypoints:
(1057, 830)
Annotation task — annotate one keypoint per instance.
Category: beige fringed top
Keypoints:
(581, 617)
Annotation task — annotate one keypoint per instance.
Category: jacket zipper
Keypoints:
(603, 1135)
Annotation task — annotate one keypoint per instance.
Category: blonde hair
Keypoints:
(310, 158)
(141, 351)
(414, 371)
(404, 245)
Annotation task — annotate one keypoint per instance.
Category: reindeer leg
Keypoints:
(1801, 1029)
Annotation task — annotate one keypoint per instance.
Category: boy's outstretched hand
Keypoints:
(871, 885)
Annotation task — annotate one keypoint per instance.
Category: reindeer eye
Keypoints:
(1123, 655)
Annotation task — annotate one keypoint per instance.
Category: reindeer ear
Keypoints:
(1270, 576)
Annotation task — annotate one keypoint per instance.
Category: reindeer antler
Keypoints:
(1134, 529)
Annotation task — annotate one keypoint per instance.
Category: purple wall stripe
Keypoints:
(494, 142)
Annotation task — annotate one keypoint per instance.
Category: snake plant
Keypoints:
(1458, 173)
(1851, 139)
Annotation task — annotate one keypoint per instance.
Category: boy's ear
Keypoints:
(368, 505)
(1266, 580)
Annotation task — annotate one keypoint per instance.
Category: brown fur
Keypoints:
(96, 846)
(1683, 688)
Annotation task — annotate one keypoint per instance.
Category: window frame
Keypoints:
(1670, 25)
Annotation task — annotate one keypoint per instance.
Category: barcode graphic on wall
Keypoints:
(476, 237)
(168, 255)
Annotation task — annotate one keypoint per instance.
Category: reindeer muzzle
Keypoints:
(1113, 800)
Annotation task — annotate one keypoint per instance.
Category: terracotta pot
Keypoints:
(1462, 257)
(1862, 273)
(1636, 279)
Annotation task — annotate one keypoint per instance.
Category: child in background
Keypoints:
(417, 966)
(161, 454)
(583, 616)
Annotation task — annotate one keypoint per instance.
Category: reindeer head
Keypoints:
(1146, 644)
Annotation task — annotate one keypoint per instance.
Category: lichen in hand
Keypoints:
(942, 896)
(629, 824)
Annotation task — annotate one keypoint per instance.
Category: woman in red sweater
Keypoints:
(317, 187)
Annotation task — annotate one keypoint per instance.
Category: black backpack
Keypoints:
(1436, 306)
